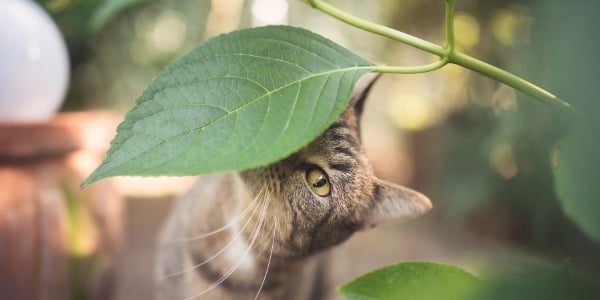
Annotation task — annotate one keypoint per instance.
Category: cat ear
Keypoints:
(361, 91)
(392, 202)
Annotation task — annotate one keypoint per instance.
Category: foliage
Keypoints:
(238, 101)
(577, 172)
(226, 105)
(108, 9)
(577, 176)
(413, 280)
(82, 18)
(426, 280)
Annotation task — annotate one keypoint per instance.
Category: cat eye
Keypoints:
(318, 182)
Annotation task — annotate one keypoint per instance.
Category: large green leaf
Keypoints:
(240, 100)
(413, 281)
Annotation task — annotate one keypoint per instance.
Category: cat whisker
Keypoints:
(238, 262)
(213, 232)
(227, 246)
(262, 283)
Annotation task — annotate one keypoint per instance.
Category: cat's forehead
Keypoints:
(344, 132)
(337, 148)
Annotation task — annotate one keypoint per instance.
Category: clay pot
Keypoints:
(57, 241)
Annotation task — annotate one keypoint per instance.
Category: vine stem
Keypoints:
(447, 54)
(449, 25)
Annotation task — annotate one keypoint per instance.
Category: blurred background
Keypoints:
(489, 157)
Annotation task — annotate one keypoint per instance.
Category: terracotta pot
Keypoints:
(57, 241)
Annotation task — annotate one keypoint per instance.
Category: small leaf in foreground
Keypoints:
(413, 281)
(238, 101)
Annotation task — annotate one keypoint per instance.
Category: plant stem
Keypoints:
(377, 29)
(447, 54)
(508, 78)
(413, 69)
(449, 24)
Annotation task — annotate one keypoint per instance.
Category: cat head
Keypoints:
(326, 191)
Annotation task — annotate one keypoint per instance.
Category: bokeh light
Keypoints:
(467, 31)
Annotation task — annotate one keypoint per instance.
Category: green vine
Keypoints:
(449, 26)
(448, 54)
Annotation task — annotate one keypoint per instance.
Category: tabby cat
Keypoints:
(264, 233)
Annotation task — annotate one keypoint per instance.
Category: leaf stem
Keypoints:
(447, 54)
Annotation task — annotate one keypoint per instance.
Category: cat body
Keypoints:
(264, 233)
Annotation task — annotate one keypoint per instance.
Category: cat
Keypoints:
(265, 233)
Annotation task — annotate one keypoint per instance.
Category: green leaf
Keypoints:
(548, 283)
(108, 9)
(413, 281)
(575, 77)
(239, 101)
(577, 177)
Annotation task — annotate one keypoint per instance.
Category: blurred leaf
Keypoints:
(413, 281)
(432, 281)
(238, 101)
(570, 50)
(578, 176)
(552, 284)
(108, 9)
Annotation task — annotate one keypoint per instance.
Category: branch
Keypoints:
(447, 54)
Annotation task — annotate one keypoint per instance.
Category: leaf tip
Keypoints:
(92, 178)
(87, 182)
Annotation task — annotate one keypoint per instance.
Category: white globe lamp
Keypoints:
(34, 64)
